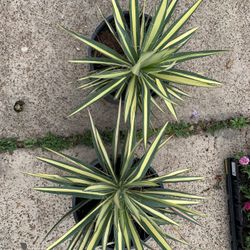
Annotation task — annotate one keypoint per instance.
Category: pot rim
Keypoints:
(98, 29)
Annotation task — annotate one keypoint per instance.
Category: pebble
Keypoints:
(24, 49)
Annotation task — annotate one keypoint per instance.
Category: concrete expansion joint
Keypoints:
(179, 129)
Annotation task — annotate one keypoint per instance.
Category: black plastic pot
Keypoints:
(91, 204)
(101, 28)
(237, 219)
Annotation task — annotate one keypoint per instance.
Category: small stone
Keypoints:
(229, 64)
(24, 49)
(23, 246)
(78, 49)
(19, 105)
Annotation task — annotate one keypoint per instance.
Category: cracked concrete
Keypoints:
(26, 215)
(34, 68)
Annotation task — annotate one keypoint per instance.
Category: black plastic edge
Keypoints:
(233, 184)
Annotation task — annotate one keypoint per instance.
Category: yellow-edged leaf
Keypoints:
(98, 60)
(170, 9)
(173, 193)
(168, 104)
(99, 94)
(135, 22)
(156, 213)
(106, 234)
(118, 13)
(182, 80)
(178, 24)
(116, 135)
(179, 39)
(155, 234)
(148, 157)
(193, 76)
(86, 236)
(134, 233)
(75, 170)
(156, 26)
(98, 233)
(76, 227)
(185, 56)
(79, 192)
(146, 112)
(130, 92)
(105, 50)
(112, 74)
(101, 150)
(126, 43)
(183, 179)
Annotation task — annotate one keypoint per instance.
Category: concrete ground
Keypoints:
(34, 69)
(26, 215)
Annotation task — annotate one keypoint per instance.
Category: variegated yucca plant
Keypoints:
(128, 197)
(151, 52)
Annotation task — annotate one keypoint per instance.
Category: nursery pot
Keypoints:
(238, 222)
(91, 204)
(103, 35)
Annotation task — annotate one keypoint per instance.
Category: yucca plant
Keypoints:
(151, 50)
(127, 197)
